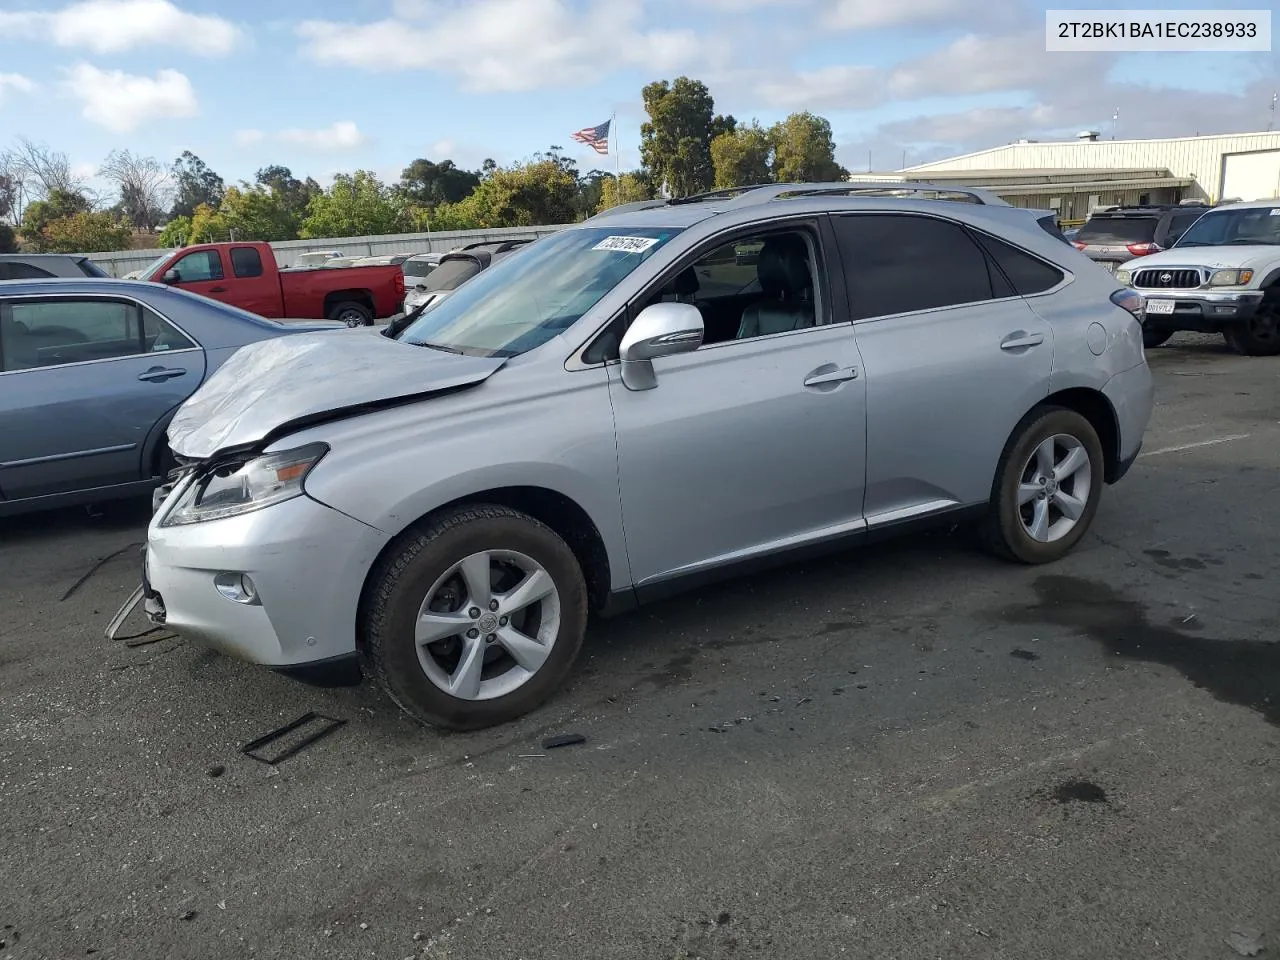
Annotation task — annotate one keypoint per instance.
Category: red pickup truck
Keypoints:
(246, 275)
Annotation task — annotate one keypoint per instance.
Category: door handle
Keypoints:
(816, 379)
(217, 289)
(161, 374)
(1020, 339)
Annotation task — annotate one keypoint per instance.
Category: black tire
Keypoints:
(1259, 336)
(397, 588)
(351, 313)
(1154, 337)
(1002, 532)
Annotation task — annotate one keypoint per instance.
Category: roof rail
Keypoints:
(626, 208)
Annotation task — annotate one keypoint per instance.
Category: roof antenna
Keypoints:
(1272, 122)
(1115, 120)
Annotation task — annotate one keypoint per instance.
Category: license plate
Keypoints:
(1110, 265)
(1160, 306)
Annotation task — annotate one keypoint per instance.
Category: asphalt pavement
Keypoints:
(908, 751)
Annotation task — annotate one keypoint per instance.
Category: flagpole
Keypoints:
(617, 153)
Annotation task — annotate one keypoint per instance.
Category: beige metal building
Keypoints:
(1076, 176)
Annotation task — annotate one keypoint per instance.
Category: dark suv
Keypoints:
(1116, 235)
(39, 266)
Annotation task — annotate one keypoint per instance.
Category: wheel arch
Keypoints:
(364, 297)
(1094, 406)
(561, 513)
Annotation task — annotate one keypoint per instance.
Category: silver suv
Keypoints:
(624, 409)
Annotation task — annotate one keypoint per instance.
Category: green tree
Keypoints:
(194, 184)
(8, 242)
(675, 142)
(427, 184)
(256, 213)
(86, 232)
(629, 188)
(743, 157)
(804, 152)
(38, 215)
(449, 216)
(542, 190)
(207, 226)
(176, 233)
(291, 195)
(356, 205)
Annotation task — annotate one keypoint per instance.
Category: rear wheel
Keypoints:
(1047, 487)
(352, 314)
(1154, 337)
(475, 618)
(1259, 336)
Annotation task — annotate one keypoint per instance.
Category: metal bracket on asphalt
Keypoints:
(123, 613)
(253, 745)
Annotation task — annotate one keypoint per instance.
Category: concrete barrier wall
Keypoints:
(119, 262)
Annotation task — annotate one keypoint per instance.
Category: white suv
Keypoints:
(1222, 276)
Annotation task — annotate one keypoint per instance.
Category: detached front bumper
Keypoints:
(279, 586)
(1204, 311)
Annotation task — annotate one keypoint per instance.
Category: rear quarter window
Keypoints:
(1028, 275)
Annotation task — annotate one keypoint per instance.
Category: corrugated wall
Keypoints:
(1198, 157)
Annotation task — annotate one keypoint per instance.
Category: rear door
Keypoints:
(953, 359)
(83, 381)
(256, 287)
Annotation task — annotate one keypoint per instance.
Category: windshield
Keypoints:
(148, 272)
(1122, 230)
(533, 295)
(417, 268)
(1223, 227)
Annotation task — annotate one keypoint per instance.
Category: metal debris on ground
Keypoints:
(564, 740)
(1247, 943)
(94, 569)
(251, 748)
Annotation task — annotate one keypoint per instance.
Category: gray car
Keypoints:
(624, 410)
(39, 266)
(90, 373)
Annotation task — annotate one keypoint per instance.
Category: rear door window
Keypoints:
(1119, 230)
(897, 263)
(48, 333)
(245, 262)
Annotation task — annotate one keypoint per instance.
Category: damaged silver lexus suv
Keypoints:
(633, 405)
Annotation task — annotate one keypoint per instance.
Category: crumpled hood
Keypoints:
(301, 378)
(1239, 256)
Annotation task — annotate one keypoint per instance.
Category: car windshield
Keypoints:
(533, 295)
(1244, 226)
(1121, 230)
(148, 272)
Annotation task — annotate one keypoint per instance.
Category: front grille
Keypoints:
(1167, 279)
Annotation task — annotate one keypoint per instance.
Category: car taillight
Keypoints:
(399, 285)
(1078, 245)
(1132, 301)
(1143, 249)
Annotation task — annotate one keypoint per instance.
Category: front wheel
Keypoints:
(1047, 487)
(352, 314)
(475, 618)
(1259, 336)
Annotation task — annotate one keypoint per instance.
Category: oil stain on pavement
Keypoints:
(1241, 672)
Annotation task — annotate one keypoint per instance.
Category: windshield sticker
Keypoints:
(626, 244)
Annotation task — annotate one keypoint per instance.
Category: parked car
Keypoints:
(245, 275)
(607, 417)
(456, 268)
(1117, 235)
(90, 373)
(316, 258)
(418, 267)
(1222, 276)
(392, 259)
(38, 266)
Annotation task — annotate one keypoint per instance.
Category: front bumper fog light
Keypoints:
(237, 587)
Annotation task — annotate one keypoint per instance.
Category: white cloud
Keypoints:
(122, 102)
(844, 87)
(507, 45)
(874, 14)
(16, 81)
(115, 26)
(342, 135)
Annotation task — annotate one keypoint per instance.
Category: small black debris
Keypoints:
(715, 730)
(1024, 654)
(217, 771)
(862, 686)
(1079, 791)
(564, 740)
(723, 919)
(189, 915)
(836, 691)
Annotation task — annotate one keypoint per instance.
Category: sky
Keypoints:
(336, 85)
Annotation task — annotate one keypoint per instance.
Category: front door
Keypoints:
(954, 356)
(202, 272)
(82, 383)
(754, 442)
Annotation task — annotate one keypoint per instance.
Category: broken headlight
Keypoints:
(231, 489)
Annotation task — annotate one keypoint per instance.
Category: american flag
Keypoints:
(597, 138)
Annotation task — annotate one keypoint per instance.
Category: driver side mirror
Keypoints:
(661, 330)
(171, 276)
